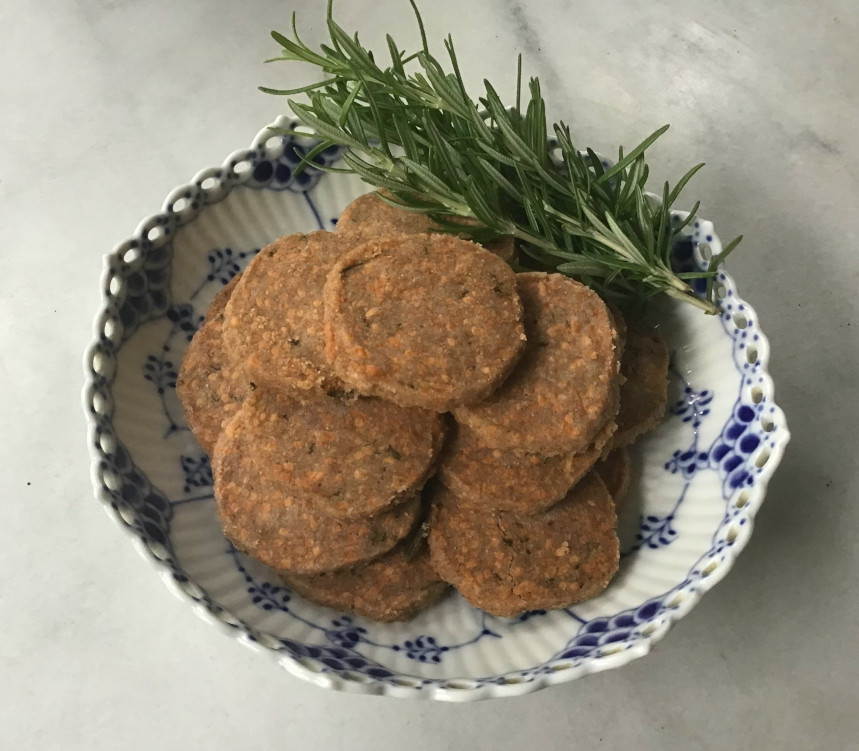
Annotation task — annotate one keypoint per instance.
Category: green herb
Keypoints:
(412, 129)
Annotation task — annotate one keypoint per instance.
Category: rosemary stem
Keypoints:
(692, 299)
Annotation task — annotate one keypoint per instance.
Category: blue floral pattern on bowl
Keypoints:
(721, 441)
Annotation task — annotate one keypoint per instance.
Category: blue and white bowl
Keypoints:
(699, 478)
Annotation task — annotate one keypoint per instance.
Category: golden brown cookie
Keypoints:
(504, 480)
(423, 320)
(368, 217)
(393, 587)
(288, 531)
(507, 564)
(644, 392)
(273, 322)
(564, 394)
(347, 457)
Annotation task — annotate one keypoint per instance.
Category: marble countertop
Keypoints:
(107, 105)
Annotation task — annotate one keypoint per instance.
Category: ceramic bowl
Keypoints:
(699, 478)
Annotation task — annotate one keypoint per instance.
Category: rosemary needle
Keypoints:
(413, 129)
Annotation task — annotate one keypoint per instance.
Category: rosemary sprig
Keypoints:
(413, 129)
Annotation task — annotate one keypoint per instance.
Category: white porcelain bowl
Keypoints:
(699, 478)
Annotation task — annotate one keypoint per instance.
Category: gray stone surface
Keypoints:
(106, 106)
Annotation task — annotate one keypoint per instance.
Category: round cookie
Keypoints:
(209, 387)
(507, 564)
(348, 457)
(423, 320)
(616, 472)
(563, 395)
(293, 536)
(274, 321)
(288, 532)
(644, 392)
(393, 587)
(369, 217)
(503, 480)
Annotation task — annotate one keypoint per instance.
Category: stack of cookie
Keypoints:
(534, 473)
(343, 369)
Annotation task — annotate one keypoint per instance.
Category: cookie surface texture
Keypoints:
(394, 587)
(423, 320)
(564, 394)
(504, 480)
(507, 564)
(369, 217)
(274, 320)
(349, 457)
